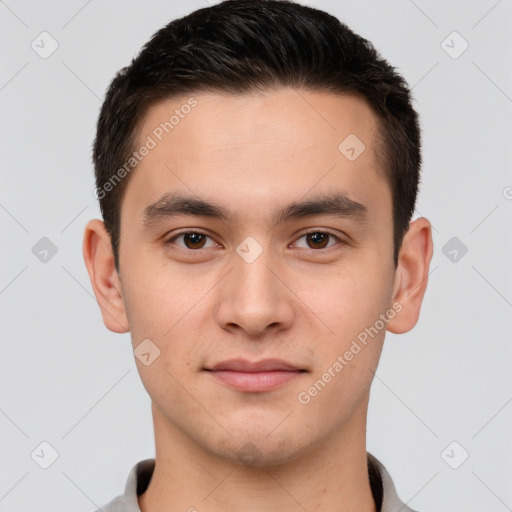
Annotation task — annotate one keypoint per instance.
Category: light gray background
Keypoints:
(68, 381)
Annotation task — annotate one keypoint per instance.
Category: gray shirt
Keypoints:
(383, 490)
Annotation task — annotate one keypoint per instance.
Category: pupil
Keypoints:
(318, 239)
(194, 240)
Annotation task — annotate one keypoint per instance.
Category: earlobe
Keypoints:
(411, 275)
(99, 260)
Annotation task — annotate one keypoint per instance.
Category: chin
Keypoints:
(259, 451)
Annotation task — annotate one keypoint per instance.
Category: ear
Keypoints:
(99, 260)
(411, 275)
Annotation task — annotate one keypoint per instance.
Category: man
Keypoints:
(257, 167)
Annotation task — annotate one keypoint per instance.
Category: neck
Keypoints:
(330, 476)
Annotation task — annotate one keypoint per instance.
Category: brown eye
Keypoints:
(192, 240)
(317, 240)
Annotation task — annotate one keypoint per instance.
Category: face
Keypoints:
(255, 254)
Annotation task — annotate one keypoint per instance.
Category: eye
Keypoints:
(196, 240)
(192, 240)
(318, 240)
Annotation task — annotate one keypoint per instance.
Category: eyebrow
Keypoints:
(173, 205)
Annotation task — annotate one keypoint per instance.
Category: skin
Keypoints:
(254, 154)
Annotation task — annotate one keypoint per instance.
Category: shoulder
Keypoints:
(383, 487)
(136, 484)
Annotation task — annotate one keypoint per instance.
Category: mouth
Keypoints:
(255, 377)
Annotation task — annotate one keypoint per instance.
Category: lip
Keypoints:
(255, 376)
(265, 365)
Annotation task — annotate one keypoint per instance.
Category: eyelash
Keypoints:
(198, 232)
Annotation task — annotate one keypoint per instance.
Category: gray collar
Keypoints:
(382, 486)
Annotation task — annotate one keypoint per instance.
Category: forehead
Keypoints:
(258, 149)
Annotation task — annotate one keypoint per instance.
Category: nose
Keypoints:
(253, 299)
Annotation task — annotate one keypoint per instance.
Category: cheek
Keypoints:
(346, 355)
(170, 307)
(353, 308)
(346, 366)
(346, 301)
(160, 299)
(164, 309)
